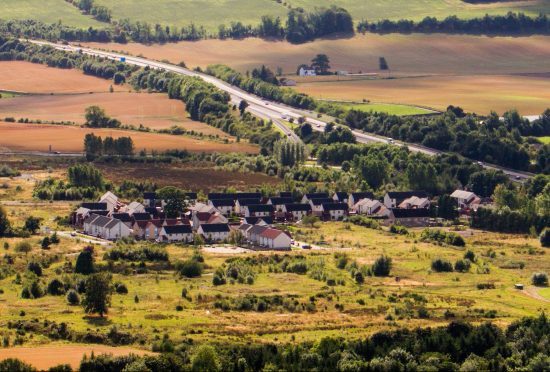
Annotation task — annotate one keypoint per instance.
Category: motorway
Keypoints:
(264, 109)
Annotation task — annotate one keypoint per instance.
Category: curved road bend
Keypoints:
(263, 108)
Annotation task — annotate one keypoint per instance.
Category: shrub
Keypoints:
(23, 247)
(462, 266)
(121, 288)
(429, 235)
(56, 287)
(540, 279)
(35, 267)
(190, 268)
(545, 238)
(469, 255)
(72, 297)
(15, 365)
(85, 262)
(440, 265)
(359, 278)
(382, 266)
(398, 229)
(32, 290)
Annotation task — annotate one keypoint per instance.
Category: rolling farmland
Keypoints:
(64, 138)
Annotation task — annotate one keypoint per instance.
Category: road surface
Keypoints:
(263, 108)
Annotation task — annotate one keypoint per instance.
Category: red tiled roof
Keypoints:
(271, 233)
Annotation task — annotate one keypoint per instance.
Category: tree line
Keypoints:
(95, 146)
(492, 140)
(261, 88)
(509, 24)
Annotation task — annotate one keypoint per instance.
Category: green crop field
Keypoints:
(48, 11)
(545, 140)
(210, 13)
(418, 9)
(390, 108)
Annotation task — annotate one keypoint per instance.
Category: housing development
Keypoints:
(298, 185)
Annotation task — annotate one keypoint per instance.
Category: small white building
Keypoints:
(334, 211)
(393, 199)
(275, 239)
(464, 198)
(258, 210)
(106, 227)
(415, 202)
(225, 206)
(295, 212)
(214, 232)
(307, 72)
(176, 233)
(356, 197)
(367, 206)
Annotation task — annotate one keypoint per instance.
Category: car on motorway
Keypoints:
(518, 178)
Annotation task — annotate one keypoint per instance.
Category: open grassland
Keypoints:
(188, 176)
(406, 54)
(207, 13)
(418, 9)
(47, 11)
(311, 308)
(44, 357)
(545, 140)
(29, 77)
(155, 111)
(481, 94)
(64, 138)
(393, 109)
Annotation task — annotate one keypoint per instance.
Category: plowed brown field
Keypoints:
(38, 137)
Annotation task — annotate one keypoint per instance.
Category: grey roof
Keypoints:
(335, 207)
(245, 227)
(362, 195)
(411, 213)
(222, 202)
(260, 208)
(112, 223)
(214, 227)
(256, 220)
(101, 221)
(319, 201)
(317, 195)
(94, 206)
(402, 195)
(124, 217)
(178, 229)
(141, 216)
(251, 201)
(298, 207)
(280, 200)
(257, 229)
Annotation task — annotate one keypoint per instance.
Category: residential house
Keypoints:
(279, 202)
(106, 227)
(465, 198)
(134, 207)
(225, 206)
(152, 229)
(334, 211)
(203, 208)
(249, 195)
(409, 217)
(317, 205)
(316, 195)
(113, 204)
(254, 233)
(141, 216)
(394, 198)
(240, 203)
(214, 232)
(264, 221)
(200, 218)
(124, 217)
(258, 210)
(244, 228)
(150, 199)
(94, 206)
(295, 212)
(340, 197)
(139, 227)
(415, 202)
(306, 71)
(176, 233)
(275, 239)
(356, 197)
(367, 207)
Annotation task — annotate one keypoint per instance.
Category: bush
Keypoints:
(15, 365)
(72, 297)
(540, 279)
(545, 238)
(85, 262)
(121, 288)
(56, 287)
(35, 267)
(23, 247)
(469, 255)
(190, 268)
(382, 266)
(462, 266)
(398, 229)
(440, 265)
(429, 235)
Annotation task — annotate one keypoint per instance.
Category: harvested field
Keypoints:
(481, 94)
(38, 137)
(34, 78)
(48, 11)
(155, 111)
(406, 54)
(189, 176)
(44, 357)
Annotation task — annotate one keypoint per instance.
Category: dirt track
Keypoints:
(44, 357)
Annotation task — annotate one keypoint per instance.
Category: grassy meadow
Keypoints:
(392, 109)
(324, 301)
(47, 11)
